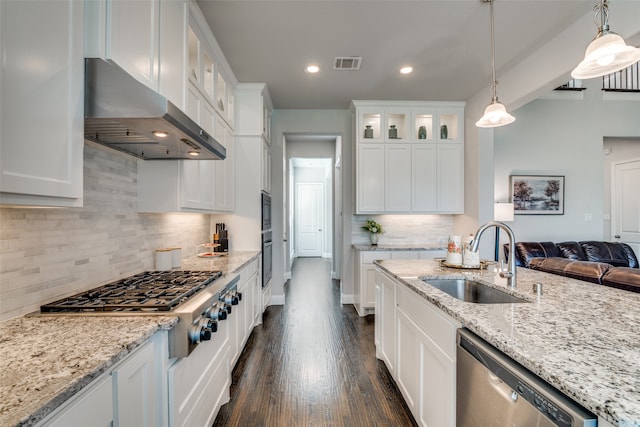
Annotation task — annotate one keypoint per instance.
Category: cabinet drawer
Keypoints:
(370, 256)
(438, 326)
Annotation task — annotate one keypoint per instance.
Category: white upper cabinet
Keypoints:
(41, 103)
(174, 24)
(127, 33)
(410, 157)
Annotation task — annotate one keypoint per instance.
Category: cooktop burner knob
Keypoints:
(209, 324)
(216, 312)
(199, 333)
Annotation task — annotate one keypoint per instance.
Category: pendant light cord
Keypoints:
(494, 83)
(602, 9)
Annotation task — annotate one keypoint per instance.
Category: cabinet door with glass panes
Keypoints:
(384, 125)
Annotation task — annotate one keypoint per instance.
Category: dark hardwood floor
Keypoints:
(312, 363)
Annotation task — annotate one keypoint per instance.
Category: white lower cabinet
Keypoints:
(417, 342)
(134, 386)
(365, 277)
(131, 394)
(93, 407)
(199, 384)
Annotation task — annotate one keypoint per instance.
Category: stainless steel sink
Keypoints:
(472, 291)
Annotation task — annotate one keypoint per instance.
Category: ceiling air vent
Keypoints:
(347, 62)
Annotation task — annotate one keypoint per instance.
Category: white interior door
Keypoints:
(309, 218)
(626, 203)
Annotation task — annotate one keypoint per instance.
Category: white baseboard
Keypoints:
(346, 299)
(276, 300)
(327, 255)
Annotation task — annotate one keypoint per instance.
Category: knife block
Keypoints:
(222, 239)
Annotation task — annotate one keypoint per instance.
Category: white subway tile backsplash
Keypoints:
(47, 254)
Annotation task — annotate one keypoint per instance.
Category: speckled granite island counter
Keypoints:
(582, 338)
(46, 360)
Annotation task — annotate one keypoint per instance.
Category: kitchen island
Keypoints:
(47, 360)
(581, 338)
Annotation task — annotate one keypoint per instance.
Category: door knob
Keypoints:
(319, 229)
(617, 236)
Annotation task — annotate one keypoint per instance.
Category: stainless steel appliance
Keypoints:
(128, 116)
(267, 243)
(199, 298)
(493, 390)
(266, 211)
(267, 262)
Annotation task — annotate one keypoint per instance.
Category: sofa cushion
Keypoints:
(625, 278)
(525, 251)
(610, 252)
(572, 250)
(631, 256)
(580, 270)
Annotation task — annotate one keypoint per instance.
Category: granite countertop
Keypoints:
(45, 360)
(396, 247)
(580, 337)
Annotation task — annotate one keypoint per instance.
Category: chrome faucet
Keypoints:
(510, 275)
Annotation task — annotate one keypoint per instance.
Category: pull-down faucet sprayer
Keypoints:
(510, 274)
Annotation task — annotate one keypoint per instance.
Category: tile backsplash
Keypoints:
(47, 254)
(405, 229)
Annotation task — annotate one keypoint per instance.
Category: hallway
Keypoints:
(312, 363)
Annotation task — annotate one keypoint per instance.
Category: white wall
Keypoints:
(564, 137)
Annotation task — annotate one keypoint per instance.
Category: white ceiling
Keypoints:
(446, 41)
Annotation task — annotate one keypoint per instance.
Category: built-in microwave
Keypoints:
(266, 212)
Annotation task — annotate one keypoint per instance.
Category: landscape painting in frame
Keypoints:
(537, 194)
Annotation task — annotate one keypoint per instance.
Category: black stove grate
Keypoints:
(151, 291)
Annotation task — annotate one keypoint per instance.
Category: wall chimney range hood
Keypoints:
(124, 114)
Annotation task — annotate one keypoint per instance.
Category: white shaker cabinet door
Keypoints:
(370, 178)
(397, 196)
(134, 385)
(42, 103)
(132, 38)
(450, 178)
(425, 185)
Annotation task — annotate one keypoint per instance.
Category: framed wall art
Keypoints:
(537, 194)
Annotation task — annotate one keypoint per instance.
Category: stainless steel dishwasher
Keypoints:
(495, 391)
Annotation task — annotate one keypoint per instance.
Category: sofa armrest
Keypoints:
(525, 251)
(581, 270)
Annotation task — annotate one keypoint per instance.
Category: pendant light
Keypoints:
(608, 52)
(495, 114)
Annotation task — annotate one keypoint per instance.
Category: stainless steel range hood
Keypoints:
(126, 115)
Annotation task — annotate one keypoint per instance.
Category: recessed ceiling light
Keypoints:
(406, 70)
(160, 133)
(312, 69)
(193, 153)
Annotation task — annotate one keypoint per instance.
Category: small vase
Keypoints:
(393, 132)
(368, 132)
(444, 132)
(422, 132)
(374, 238)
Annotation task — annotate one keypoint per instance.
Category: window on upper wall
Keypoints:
(626, 80)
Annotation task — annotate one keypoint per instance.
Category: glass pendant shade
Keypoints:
(495, 115)
(606, 54)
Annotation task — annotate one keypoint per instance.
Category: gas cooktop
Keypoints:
(151, 291)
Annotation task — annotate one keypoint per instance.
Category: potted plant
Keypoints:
(374, 230)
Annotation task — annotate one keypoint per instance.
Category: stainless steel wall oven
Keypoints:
(267, 244)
